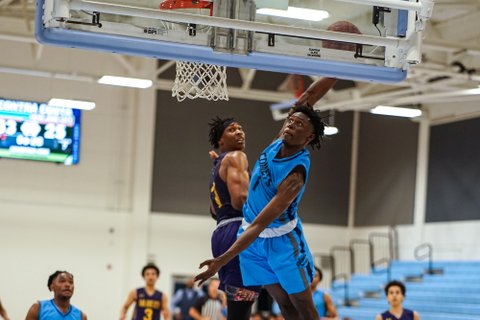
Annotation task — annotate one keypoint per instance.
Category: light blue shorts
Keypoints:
(285, 260)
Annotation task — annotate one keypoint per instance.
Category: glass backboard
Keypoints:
(262, 34)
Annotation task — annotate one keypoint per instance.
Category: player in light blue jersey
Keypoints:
(58, 308)
(273, 251)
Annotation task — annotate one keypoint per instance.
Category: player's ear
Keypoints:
(310, 137)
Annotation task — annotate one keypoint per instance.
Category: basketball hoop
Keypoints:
(200, 80)
(195, 79)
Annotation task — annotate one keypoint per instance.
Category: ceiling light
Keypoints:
(126, 82)
(296, 13)
(330, 131)
(72, 104)
(397, 111)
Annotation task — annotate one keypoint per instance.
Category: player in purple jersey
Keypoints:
(395, 291)
(149, 302)
(61, 283)
(228, 186)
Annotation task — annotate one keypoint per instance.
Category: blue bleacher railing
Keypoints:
(341, 261)
(425, 251)
(381, 252)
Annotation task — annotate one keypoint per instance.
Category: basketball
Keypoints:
(341, 26)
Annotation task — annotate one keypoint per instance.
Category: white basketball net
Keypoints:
(200, 80)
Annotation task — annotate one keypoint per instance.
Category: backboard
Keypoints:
(243, 33)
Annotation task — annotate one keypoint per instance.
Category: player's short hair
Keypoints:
(150, 266)
(54, 275)
(317, 123)
(217, 127)
(396, 283)
(320, 273)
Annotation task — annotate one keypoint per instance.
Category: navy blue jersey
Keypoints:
(147, 306)
(406, 315)
(219, 195)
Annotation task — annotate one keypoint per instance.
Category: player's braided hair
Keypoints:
(217, 126)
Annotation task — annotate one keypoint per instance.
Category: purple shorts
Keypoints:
(230, 274)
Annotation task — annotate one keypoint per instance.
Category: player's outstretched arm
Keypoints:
(287, 191)
(315, 92)
(132, 296)
(331, 310)
(33, 312)
(416, 316)
(166, 309)
(3, 312)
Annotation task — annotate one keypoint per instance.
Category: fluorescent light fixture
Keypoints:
(397, 111)
(330, 131)
(126, 82)
(72, 104)
(296, 13)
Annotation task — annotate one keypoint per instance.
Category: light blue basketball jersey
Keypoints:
(267, 174)
(318, 297)
(50, 311)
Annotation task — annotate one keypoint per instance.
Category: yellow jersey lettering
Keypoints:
(216, 196)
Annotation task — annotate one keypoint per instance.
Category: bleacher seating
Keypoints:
(452, 295)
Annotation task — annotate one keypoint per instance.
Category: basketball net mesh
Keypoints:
(200, 80)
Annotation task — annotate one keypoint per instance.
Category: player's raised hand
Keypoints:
(213, 155)
(303, 99)
(315, 92)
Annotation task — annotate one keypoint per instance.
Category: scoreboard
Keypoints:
(36, 131)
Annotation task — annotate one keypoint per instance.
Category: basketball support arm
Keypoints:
(424, 8)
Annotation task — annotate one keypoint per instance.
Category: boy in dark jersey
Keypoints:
(149, 302)
(228, 186)
(58, 308)
(395, 291)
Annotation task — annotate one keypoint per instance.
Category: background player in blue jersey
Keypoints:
(322, 300)
(228, 191)
(58, 308)
(149, 302)
(275, 253)
(395, 291)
